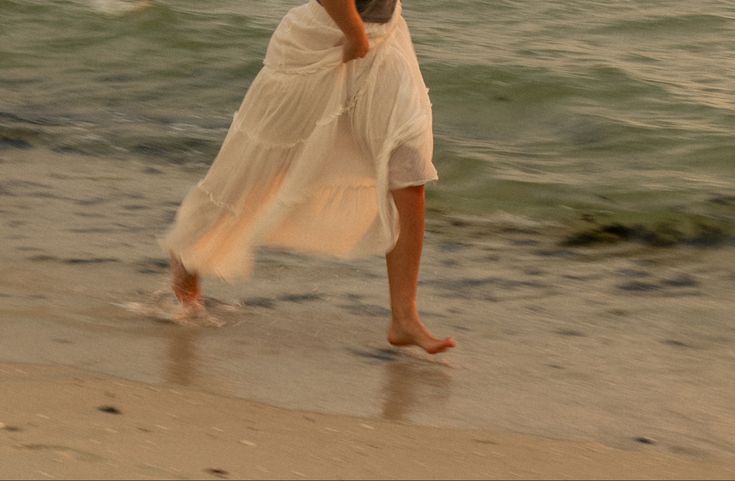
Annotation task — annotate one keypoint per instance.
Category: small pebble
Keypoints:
(248, 443)
(644, 440)
(109, 409)
(220, 473)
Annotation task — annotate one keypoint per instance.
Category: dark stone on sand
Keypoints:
(570, 333)
(152, 170)
(555, 366)
(11, 429)
(675, 343)
(265, 302)
(644, 440)
(484, 441)
(300, 297)
(220, 473)
(109, 410)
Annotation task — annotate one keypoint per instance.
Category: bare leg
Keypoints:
(403, 273)
(185, 284)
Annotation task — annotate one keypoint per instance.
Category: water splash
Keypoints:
(161, 306)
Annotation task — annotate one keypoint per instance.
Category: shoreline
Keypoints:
(59, 422)
(607, 343)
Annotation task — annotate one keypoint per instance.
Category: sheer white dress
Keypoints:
(313, 152)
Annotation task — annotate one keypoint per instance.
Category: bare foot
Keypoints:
(185, 285)
(413, 332)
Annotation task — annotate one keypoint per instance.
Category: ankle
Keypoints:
(404, 313)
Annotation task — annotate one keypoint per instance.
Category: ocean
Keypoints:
(580, 240)
(574, 113)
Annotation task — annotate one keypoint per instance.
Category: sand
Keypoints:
(61, 423)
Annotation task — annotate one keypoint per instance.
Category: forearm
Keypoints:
(345, 15)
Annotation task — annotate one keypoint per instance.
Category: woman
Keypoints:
(328, 154)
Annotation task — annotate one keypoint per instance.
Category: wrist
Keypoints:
(358, 33)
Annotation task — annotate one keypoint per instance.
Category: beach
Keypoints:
(622, 346)
(580, 247)
(72, 424)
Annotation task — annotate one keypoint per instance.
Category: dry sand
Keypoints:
(63, 423)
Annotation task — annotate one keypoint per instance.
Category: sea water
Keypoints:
(572, 112)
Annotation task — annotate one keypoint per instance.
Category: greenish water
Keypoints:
(573, 113)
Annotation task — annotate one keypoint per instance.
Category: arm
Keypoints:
(345, 15)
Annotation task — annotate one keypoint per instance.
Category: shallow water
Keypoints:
(605, 343)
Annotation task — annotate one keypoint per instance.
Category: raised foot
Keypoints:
(414, 333)
(186, 286)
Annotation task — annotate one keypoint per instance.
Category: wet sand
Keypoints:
(70, 424)
(623, 345)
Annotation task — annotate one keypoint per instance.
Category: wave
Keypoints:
(676, 24)
(120, 7)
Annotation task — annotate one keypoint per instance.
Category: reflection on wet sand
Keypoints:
(409, 388)
(181, 356)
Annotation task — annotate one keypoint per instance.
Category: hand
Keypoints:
(355, 47)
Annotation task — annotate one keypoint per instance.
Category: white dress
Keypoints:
(313, 152)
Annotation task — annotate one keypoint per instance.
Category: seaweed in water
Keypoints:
(663, 235)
